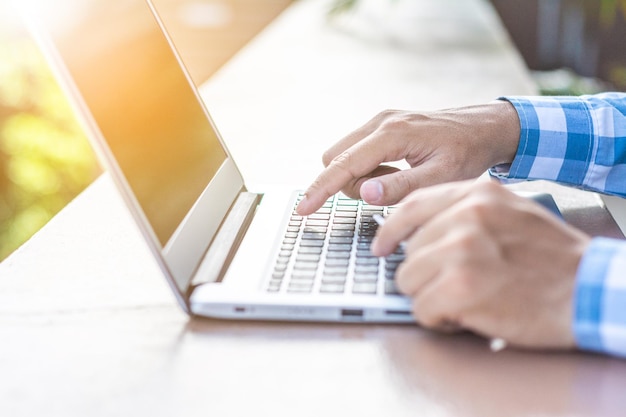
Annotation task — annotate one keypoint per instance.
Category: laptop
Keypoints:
(226, 251)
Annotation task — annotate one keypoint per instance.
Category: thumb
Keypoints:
(387, 189)
(391, 188)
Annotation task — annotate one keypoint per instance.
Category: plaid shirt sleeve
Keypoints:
(600, 298)
(581, 142)
(576, 141)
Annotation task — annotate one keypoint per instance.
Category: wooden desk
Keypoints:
(89, 328)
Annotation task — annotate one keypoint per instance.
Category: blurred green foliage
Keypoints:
(609, 10)
(45, 159)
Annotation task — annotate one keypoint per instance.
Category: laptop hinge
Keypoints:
(227, 239)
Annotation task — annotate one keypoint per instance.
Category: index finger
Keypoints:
(347, 163)
(350, 166)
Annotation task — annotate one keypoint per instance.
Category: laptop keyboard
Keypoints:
(329, 252)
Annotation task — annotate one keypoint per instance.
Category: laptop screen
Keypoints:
(141, 101)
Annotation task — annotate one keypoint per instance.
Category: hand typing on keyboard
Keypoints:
(477, 256)
(435, 145)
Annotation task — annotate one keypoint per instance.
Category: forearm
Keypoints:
(576, 141)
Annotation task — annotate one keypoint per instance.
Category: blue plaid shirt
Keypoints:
(581, 142)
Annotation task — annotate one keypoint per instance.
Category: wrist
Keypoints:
(504, 131)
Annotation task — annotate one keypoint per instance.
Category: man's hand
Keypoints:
(442, 146)
(481, 258)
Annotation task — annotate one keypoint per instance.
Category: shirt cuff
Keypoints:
(556, 139)
(600, 298)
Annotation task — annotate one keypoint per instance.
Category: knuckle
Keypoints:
(385, 114)
(490, 189)
(343, 160)
(404, 183)
(460, 284)
(463, 244)
(393, 120)
(327, 157)
(480, 209)
(410, 205)
(317, 184)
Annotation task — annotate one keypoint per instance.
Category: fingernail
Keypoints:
(302, 205)
(372, 191)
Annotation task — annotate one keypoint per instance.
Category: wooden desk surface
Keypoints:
(89, 328)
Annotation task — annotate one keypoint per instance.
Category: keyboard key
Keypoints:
(304, 274)
(313, 236)
(346, 214)
(334, 279)
(319, 216)
(315, 229)
(282, 260)
(367, 261)
(390, 287)
(366, 269)
(343, 227)
(335, 270)
(311, 243)
(343, 220)
(346, 202)
(295, 288)
(342, 233)
(340, 240)
(337, 262)
(364, 288)
(339, 248)
(313, 223)
(395, 257)
(310, 249)
(308, 257)
(302, 281)
(365, 277)
(276, 282)
(332, 288)
(338, 255)
(305, 266)
(280, 267)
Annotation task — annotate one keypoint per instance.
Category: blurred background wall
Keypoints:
(586, 37)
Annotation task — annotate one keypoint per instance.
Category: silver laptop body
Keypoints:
(617, 207)
(219, 245)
